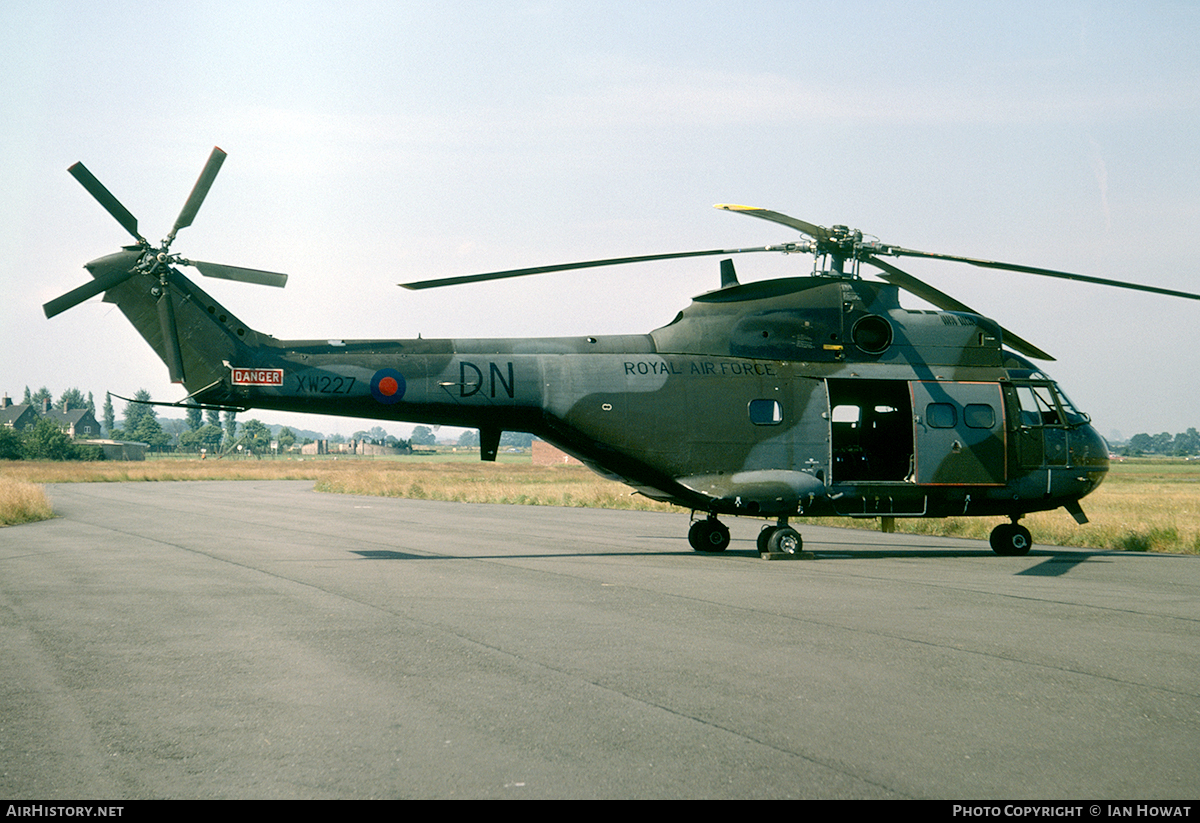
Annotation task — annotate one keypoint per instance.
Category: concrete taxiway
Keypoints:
(259, 639)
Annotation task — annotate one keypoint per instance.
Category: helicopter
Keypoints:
(816, 395)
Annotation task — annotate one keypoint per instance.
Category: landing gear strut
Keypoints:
(1011, 539)
(709, 535)
(780, 539)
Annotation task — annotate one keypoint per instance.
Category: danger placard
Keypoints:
(258, 377)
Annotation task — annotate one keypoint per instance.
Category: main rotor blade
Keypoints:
(814, 231)
(944, 301)
(88, 290)
(111, 204)
(166, 322)
(263, 278)
(586, 264)
(1083, 278)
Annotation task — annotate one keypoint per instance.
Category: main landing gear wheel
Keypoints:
(764, 538)
(785, 540)
(780, 539)
(1011, 540)
(709, 535)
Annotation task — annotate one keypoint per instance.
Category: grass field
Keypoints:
(1144, 505)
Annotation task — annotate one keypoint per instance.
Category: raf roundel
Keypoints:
(387, 386)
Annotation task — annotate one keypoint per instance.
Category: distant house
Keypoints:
(17, 416)
(546, 455)
(315, 447)
(76, 423)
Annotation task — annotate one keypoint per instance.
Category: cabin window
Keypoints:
(979, 416)
(850, 415)
(766, 412)
(941, 415)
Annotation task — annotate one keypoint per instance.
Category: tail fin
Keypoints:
(202, 337)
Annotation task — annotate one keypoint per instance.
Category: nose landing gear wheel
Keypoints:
(1011, 540)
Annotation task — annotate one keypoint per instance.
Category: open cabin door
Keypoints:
(916, 432)
(959, 433)
(871, 431)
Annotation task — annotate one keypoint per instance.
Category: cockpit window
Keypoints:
(1038, 407)
(1074, 416)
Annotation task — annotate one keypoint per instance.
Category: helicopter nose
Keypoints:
(1094, 451)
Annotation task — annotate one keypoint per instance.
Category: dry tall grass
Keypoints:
(1142, 506)
(22, 502)
(516, 484)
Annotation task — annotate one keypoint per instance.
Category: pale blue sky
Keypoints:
(371, 143)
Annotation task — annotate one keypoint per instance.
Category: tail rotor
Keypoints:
(158, 262)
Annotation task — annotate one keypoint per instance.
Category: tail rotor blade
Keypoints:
(88, 290)
(170, 333)
(200, 190)
(262, 278)
(111, 204)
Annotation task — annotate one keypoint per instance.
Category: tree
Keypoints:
(150, 431)
(46, 441)
(40, 396)
(230, 426)
(423, 436)
(135, 412)
(206, 437)
(256, 437)
(469, 438)
(214, 417)
(141, 423)
(72, 399)
(1140, 444)
(11, 445)
(109, 416)
(520, 440)
(1186, 443)
(287, 438)
(195, 418)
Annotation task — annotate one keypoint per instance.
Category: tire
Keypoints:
(1011, 540)
(709, 536)
(785, 540)
(764, 538)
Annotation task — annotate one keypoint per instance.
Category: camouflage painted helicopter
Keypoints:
(815, 395)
